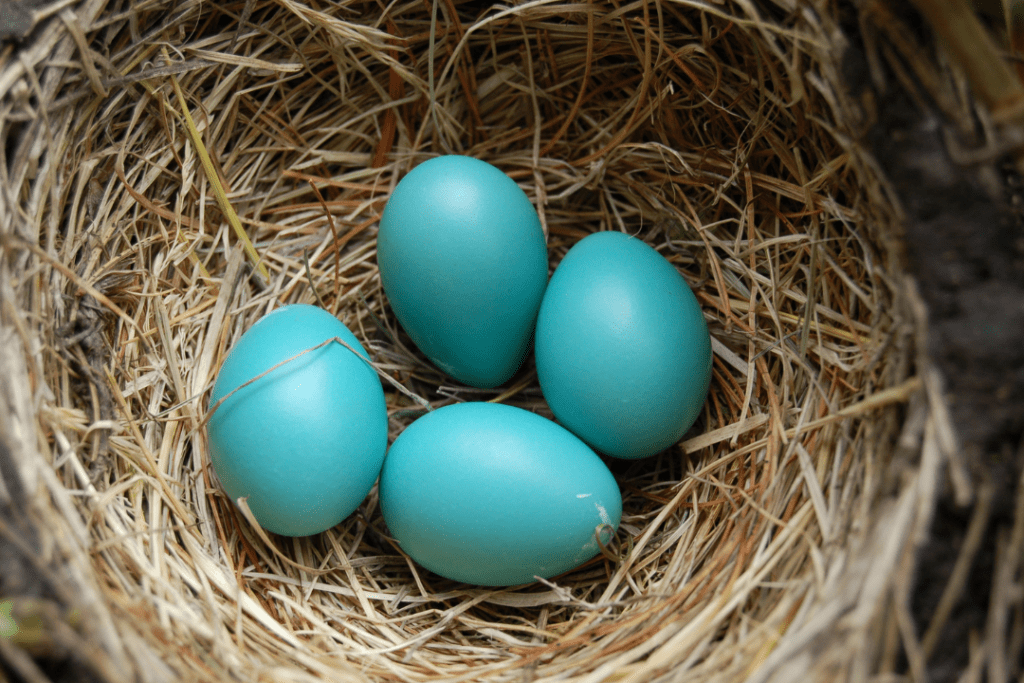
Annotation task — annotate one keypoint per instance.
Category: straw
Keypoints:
(207, 163)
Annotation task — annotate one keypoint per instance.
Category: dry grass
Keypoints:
(137, 171)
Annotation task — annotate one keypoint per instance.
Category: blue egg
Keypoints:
(495, 495)
(463, 262)
(623, 352)
(305, 442)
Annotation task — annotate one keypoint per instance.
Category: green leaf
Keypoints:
(8, 626)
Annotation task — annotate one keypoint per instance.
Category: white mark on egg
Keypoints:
(584, 495)
(603, 513)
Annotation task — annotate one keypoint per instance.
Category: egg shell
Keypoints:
(623, 352)
(463, 262)
(495, 495)
(306, 442)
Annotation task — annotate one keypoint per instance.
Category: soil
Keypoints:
(965, 246)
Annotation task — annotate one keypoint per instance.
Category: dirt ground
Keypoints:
(965, 245)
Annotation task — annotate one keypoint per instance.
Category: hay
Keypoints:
(199, 165)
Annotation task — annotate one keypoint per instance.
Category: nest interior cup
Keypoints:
(175, 170)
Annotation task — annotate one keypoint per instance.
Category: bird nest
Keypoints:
(173, 170)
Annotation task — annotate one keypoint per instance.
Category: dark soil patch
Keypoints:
(965, 246)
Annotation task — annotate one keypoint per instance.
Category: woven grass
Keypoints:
(175, 170)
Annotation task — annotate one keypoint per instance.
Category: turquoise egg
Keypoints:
(305, 442)
(495, 495)
(623, 352)
(463, 262)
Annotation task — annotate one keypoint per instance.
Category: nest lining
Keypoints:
(694, 127)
